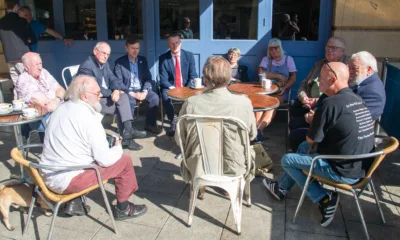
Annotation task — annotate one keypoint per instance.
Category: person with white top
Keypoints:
(75, 136)
(278, 67)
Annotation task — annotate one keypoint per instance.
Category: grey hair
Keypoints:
(340, 40)
(235, 50)
(26, 58)
(275, 42)
(367, 59)
(101, 43)
(79, 85)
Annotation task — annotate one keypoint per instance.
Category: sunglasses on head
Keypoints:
(334, 73)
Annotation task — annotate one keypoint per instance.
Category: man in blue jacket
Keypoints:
(177, 69)
(113, 99)
(136, 78)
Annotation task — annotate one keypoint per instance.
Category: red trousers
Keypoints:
(122, 172)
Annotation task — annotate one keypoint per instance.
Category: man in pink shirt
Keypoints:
(37, 86)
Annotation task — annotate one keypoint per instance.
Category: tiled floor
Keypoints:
(167, 197)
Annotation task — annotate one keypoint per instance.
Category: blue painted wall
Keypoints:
(56, 56)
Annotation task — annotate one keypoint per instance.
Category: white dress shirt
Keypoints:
(75, 136)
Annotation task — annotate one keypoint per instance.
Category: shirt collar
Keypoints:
(179, 54)
(130, 60)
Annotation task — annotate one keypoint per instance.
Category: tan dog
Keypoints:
(18, 195)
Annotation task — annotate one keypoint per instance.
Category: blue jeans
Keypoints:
(40, 125)
(294, 163)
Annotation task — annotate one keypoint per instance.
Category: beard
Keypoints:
(96, 106)
(356, 80)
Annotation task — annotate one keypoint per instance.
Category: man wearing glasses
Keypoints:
(342, 125)
(112, 100)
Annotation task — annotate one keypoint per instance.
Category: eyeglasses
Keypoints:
(233, 54)
(274, 48)
(103, 53)
(96, 93)
(332, 48)
(327, 64)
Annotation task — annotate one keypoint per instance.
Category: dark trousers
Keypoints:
(296, 137)
(167, 102)
(121, 108)
(298, 122)
(153, 100)
(297, 110)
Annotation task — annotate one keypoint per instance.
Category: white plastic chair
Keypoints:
(73, 70)
(211, 137)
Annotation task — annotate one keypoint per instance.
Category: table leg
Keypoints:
(20, 142)
(1, 94)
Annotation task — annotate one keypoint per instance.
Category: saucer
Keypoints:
(202, 86)
(6, 112)
(30, 117)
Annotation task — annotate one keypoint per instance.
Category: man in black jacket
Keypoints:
(16, 37)
(113, 99)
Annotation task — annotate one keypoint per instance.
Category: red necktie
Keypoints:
(178, 77)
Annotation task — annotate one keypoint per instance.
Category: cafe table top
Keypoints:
(18, 119)
(252, 88)
(260, 102)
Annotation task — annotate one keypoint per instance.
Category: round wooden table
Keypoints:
(260, 102)
(252, 88)
(3, 78)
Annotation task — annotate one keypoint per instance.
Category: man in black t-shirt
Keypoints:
(342, 125)
(16, 36)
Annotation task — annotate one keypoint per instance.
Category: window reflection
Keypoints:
(42, 11)
(80, 19)
(235, 19)
(124, 18)
(295, 19)
(179, 16)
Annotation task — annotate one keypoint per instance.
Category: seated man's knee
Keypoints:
(303, 147)
(126, 160)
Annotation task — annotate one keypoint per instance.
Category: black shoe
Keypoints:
(171, 133)
(131, 211)
(131, 145)
(133, 133)
(152, 129)
(74, 207)
(327, 207)
(274, 189)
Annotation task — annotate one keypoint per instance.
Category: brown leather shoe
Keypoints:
(153, 129)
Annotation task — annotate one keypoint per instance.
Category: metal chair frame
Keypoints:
(362, 185)
(73, 71)
(47, 195)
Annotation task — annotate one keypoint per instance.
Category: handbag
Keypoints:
(262, 161)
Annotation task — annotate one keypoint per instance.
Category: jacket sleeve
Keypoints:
(118, 77)
(162, 68)
(85, 70)
(115, 83)
(303, 86)
(147, 78)
(375, 100)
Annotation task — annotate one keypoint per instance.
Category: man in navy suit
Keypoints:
(113, 99)
(177, 69)
(136, 78)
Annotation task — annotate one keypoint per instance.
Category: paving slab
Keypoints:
(294, 235)
(376, 232)
(128, 231)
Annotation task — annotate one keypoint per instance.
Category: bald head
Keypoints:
(334, 76)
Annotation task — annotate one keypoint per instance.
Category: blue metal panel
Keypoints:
(56, 56)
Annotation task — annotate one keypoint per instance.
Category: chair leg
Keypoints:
(53, 220)
(162, 113)
(378, 202)
(303, 194)
(236, 195)
(107, 203)
(31, 206)
(361, 213)
(247, 193)
(192, 204)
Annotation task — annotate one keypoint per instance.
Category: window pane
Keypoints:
(296, 19)
(181, 16)
(80, 19)
(42, 11)
(124, 18)
(235, 19)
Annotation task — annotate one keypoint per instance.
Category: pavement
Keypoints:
(167, 197)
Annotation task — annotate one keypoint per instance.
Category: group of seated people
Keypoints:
(337, 105)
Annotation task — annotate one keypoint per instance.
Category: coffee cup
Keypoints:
(30, 113)
(18, 104)
(262, 76)
(197, 83)
(266, 83)
(5, 107)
